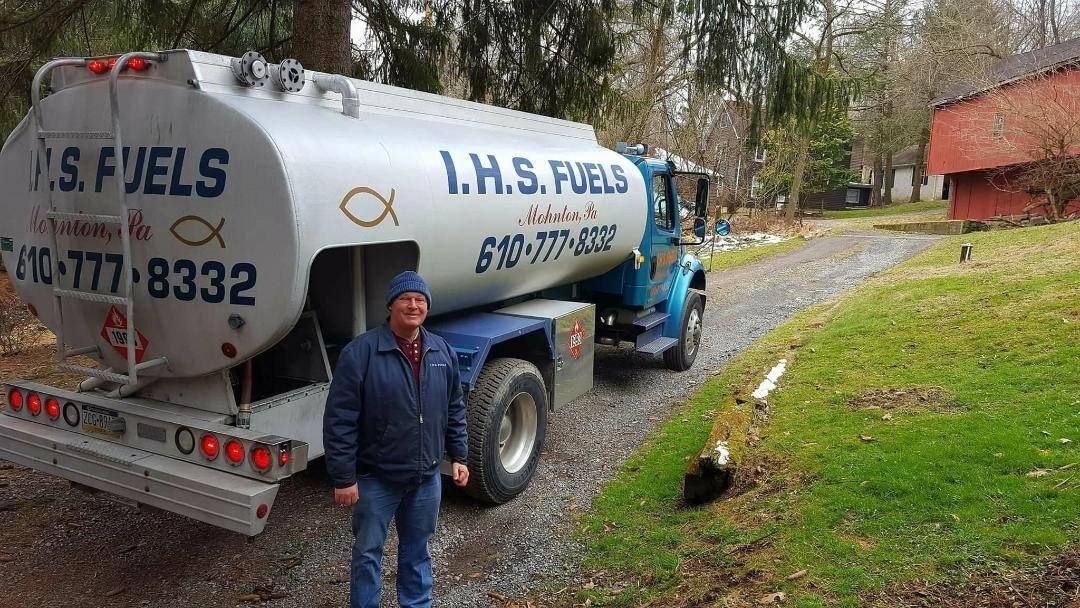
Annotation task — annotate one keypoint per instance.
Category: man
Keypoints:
(395, 407)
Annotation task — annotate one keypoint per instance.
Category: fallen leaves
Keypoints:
(772, 598)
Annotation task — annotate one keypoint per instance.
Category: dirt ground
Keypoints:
(63, 547)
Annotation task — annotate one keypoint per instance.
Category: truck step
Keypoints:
(658, 345)
(89, 296)
(651, 320)
(95, 372)
(109, 376)
(83, 217)
(74, 135)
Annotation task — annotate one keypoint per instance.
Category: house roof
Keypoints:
(906, 157)
(1017, 66)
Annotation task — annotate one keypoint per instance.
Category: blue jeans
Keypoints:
(415, 510)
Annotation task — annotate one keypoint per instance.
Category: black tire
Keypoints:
(505, 384)
(681, 356)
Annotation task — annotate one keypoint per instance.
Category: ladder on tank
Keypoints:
(45, 198)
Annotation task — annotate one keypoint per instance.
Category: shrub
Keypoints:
(17, 326)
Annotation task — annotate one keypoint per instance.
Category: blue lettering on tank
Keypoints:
(136, 177)
(177, 187)
(451, 172)
(579, 187)
(559, 173)
(523, 167)
(483, 174)
(205, 187)
(621, 185)
(67, 168)
(154, 169)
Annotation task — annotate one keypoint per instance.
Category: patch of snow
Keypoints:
(769, 383)
(734, 242)
(722, 452)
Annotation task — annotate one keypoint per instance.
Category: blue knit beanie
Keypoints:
(407, 281)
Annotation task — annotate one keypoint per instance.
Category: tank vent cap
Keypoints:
(251, 69)
(289, 76)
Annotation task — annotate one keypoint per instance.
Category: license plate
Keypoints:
(102, 421)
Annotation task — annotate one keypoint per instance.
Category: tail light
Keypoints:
(209, 446)
(33, 404)
(15, 399)
(260, 458)
(52, 408)
(101, 66)
(234, 451)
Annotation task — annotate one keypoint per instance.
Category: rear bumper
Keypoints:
(215, 497)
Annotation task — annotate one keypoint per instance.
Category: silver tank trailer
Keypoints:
(239, 189)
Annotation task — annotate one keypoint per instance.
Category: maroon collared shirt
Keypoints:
(413, 350)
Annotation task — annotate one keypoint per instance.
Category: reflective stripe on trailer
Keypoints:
(215, 497)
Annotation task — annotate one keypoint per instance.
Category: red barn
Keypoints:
(1001, 143)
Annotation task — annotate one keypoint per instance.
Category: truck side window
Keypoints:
(662, 204)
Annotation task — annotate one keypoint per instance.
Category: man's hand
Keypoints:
(461, 474)
(347, 497)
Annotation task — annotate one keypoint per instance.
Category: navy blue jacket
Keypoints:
(375, 424)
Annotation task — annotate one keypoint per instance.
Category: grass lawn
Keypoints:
(896, 209)
(742, 257)
(869, 491)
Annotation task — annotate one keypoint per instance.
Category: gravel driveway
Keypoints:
(62, 547)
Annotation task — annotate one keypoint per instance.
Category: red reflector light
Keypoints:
(33, 404)
(234, 451)
(112, 62)
(15, 399)
(137, 63)
(283, 458)
(262, 511)
(98, 66)
(52, 408)
(260, 458)
(228, 350)
(209, 446)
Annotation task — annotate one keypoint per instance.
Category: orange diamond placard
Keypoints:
(576, 339)
(115, 333)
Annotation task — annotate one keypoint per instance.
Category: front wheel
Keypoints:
(681, 356)
(507, 423)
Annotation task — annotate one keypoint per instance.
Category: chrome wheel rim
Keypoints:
(517, 432)
(693, 332)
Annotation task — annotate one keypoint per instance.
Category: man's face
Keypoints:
(408, 310)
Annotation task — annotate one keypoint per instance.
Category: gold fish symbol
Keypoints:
(214, 231)
(388, 207)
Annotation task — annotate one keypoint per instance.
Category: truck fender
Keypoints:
(690, 275)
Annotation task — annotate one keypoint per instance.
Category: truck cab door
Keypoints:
(664, 247)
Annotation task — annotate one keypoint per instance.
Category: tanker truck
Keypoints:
(204, 234)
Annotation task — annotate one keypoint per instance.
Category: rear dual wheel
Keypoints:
(507, 423)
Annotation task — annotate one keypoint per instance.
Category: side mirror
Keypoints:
(699, 228)
(701, 201)
(723, 228)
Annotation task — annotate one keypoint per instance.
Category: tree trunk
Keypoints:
(320, 39)
(875, 194)
(887, 174)
(917, 175)
(802, 156)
